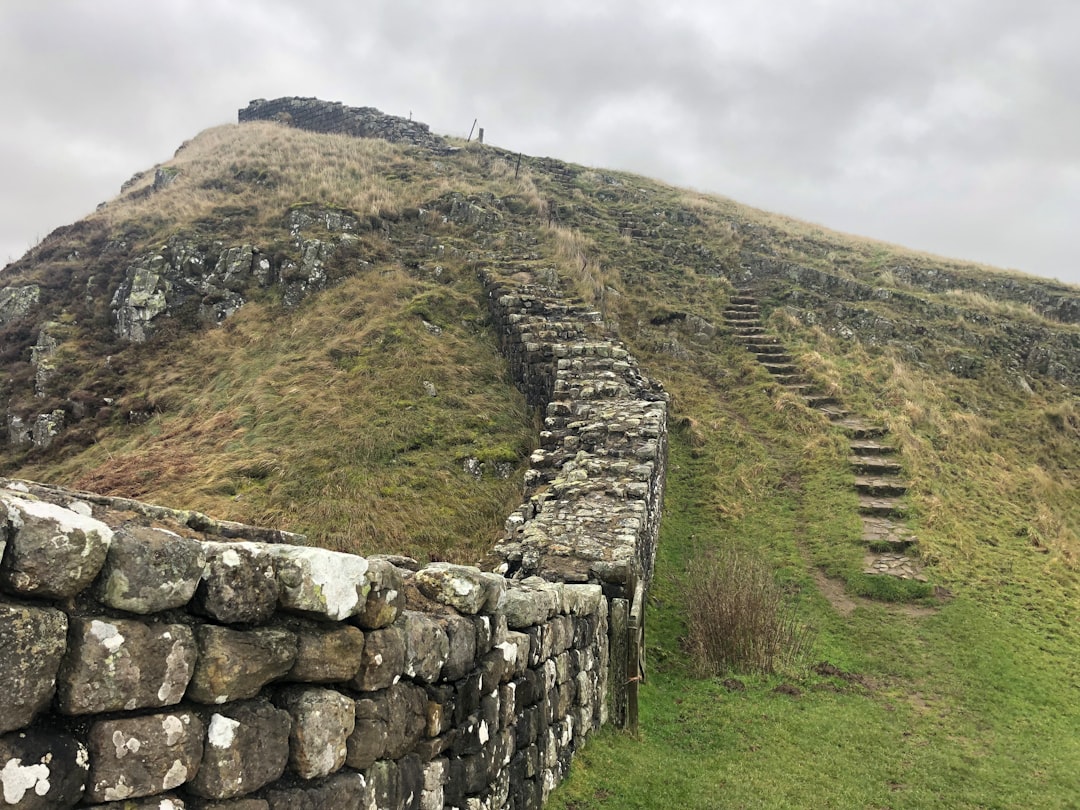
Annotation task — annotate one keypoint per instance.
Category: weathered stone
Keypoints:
(239, 584)
(343, 790)
(237, 664)
(528, 606)
(367, 742)
(16, 302)
(247, 747)
(52, 551)
(426, 646)
(385, 596)
(463, 587)
(148, 570)
(461, 634)
(32, 644)
(123, 664)
(318, 582)
(388, 725)
(322, 720)
(325, 653)
(41, 771)
(582, 599)
(383, 660)
(159, 802)
(47, 426)
(141, 756)
(141, 298)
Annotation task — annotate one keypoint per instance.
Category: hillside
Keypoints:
(285, 328)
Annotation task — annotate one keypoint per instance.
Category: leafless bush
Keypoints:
(739, 618)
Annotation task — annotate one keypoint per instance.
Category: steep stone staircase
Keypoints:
(891, 546)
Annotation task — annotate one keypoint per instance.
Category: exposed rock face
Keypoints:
(17, 302)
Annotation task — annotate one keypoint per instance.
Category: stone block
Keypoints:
(427, 646)
(247, 747)
(148, 570)
(238, 584)
(385, 596)
(42, 771)
(51, 551)
(322, 721)
(143, 756)
(388, 725)
(237, 664)
(325, 653)
(463, 587)
(340, 791)
(32, 644)
(162, 802)
(318, 582)
(461, 635)
(383, 659)
(367, 742)
(124, 664)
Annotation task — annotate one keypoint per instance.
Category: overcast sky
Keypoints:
(951, 126)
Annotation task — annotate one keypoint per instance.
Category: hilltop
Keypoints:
(285, 327)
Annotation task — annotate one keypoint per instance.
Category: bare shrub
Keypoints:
(739, 618)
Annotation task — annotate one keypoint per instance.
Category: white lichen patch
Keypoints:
(175, 776)
(331, 583)
(173, 727)
(81, 508)
(125, 745)
(231, 558)
(108, 634)
(66, 519)
(222, 731)
(17, 779)
(177, 675)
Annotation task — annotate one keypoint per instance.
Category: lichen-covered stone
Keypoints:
(529, 604)
(15, 302)
(322, 720)
(160, 802)
(52, 551)
(32, 644)
(325, 653)
(142, 756)
(123, 664)
(318, 582)
(41, 770)
(148, 570)
(238, 584)
(383, 660)
(345, 790)
(427, 646)
(237, 664)
(385, 596)
(462, 587)
(247, 747)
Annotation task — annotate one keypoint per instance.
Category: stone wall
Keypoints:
(153, 658)
(595, 487)
(140, 659)
(332, 117)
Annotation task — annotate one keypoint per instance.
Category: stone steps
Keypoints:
(877, 478)
(882, 533)
(874, 465)
(879, 485)
(881, 506)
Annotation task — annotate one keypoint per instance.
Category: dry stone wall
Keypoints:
(143, 664)
(595, 486)
(152, 658)
(332, 117)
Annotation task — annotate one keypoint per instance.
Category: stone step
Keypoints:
(772, 349)
(822, 401)
(874, 465)
(745, 306)
(741, 317)
(834, 412)
(802, 388)
(774, 359)
(742, 299)
(751, 329)
(881, 506)
(859, 428)
(881, 533)
(871, 448)
(761, 340)
(880, 485)
(890, 564)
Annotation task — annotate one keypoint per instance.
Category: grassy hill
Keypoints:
(359, 398)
